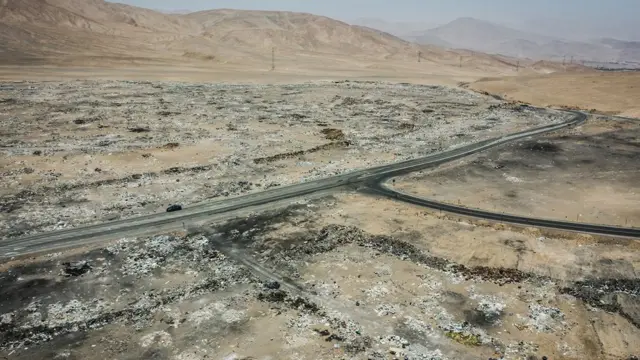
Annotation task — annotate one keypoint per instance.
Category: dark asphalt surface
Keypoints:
(379, 188)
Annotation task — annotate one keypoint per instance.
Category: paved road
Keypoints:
(164, 222)
(378, 187)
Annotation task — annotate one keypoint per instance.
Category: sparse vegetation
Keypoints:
(464, 338)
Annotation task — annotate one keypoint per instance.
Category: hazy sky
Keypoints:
(422, 10)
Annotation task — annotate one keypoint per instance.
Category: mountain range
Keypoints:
(488, 37)
(97, 31)
(92, 32)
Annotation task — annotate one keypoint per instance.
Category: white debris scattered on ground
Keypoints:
(512, 179)
(376, 291)
(188, 143)
(546, 319)
(491, 306)
(74, 312)
(199, 304)
(387, 309)
(157, 338)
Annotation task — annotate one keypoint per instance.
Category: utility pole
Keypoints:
(460, 60)
(518, 66)
(564, 60)
(273, 59)
(571, 59)
(419, 55)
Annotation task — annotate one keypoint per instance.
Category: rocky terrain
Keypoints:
(308, 281)
(80, 152)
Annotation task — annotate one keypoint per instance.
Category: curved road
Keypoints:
(371, 177)
(380, 188)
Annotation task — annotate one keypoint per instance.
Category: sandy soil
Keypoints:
(296, 71)
(606, 92)
(345, 277)
(588, 174)
(86, 151)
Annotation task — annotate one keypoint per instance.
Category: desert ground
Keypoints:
(347, 276)
(590, 174)
(80, 152)
(109, 112)
(611, 93)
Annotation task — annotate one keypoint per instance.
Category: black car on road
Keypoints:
(173, 208)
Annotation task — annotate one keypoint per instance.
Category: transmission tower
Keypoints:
(273, 59)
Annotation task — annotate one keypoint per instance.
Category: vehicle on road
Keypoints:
(173, 208)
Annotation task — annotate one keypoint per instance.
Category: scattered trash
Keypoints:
(333, 337)
(546, 319)
(76, 268)
(139, 129)
(197, 271)
(323, 332)
(272, 285)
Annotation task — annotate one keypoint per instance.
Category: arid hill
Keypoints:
(294, 31)
(94, 31)
(50, 30)
(479, 35)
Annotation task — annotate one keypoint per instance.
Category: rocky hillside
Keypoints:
(54, 30)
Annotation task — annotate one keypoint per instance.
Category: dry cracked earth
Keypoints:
(346, 276)
(82, 152)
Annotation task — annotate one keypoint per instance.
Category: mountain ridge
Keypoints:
(55, 31)
(485, 36)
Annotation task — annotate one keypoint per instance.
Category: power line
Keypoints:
(273, 59)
